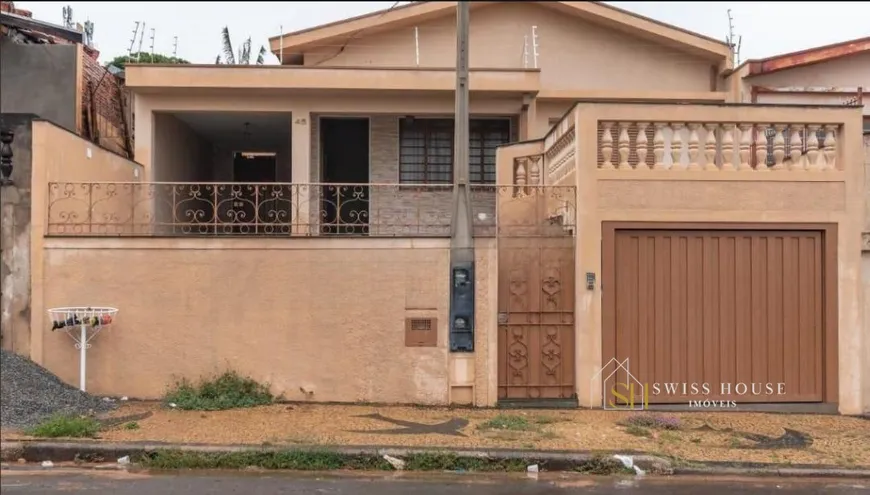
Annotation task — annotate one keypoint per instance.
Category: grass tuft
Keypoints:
(65, 426)
(227, 391)
(653, 421)
(508, 422)
(638, 431)
(603, 466)
(301, 460)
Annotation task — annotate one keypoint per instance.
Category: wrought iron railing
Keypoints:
(284, 209)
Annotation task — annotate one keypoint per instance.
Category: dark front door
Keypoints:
(344, 147)
(243, 208)
(253, 168)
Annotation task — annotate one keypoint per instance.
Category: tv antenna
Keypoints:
(175, 47)
(141, 38)
(153, 31)
(89, 33)
(735, 47)
(67, 17)
(133, 40)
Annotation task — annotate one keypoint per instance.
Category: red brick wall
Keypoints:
(106, 110)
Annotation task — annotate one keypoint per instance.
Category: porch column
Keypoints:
(528, 118)
(301, 170)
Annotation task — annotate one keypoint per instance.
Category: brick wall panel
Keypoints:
(107, 108)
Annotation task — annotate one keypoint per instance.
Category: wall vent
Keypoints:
(421, 332)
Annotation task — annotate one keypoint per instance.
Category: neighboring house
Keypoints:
(837, 74)
(292, 222)
(48, 71)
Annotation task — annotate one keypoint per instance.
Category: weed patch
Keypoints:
(452, 462)
(65, 426)
(669, 437)
(653, 421)
(508, 422)
(322, 461)
(227, 391)
(603, 466)
(638, 431)
(547, 420)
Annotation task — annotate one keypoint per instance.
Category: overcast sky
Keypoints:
(768, 28)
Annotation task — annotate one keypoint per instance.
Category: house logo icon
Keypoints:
(620, 389)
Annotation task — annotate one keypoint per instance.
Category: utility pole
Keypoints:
(175, 47)
(461, 207)
(461, 240)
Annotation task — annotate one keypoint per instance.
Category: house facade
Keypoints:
(292, 222)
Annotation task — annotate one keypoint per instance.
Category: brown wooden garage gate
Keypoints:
(696, 303)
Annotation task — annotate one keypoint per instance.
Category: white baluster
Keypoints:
(659, 146)
(728, 148)
(761, 147)
(796, 149)
(520, 174)
(813, 148)
(710, 147)
(642, 142)
(831, 146)
(694, 147)
(677, 146)
(607, 146)
(745, 145)
(535, 171)
(624, 146)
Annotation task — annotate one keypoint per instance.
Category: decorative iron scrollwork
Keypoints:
(219, 209)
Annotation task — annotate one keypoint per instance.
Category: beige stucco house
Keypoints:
(292, 222)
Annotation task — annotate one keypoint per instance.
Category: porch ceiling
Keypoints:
(147, 78)
(264, 130)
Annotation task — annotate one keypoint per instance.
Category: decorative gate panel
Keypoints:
(536, 294)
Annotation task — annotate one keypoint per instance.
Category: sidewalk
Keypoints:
(687, 439)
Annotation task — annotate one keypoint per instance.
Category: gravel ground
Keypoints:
(29, 393)
(837, 440)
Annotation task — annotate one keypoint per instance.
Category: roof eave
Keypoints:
(808, 57)
(21, 22)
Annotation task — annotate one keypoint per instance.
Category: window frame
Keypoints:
(478, 169)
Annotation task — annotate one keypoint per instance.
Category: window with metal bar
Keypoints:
(426, 150)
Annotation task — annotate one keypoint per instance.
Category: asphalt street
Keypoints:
(65, 481)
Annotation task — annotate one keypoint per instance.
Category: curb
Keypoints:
(553, 461)
(36, 451)
(775, 471)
